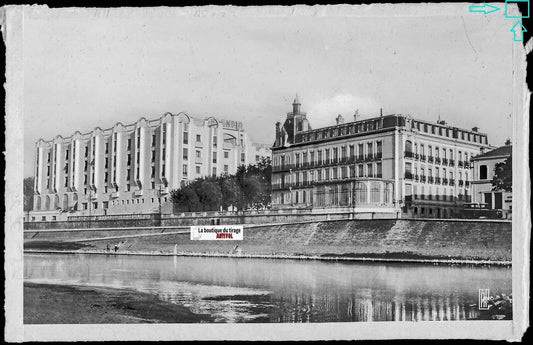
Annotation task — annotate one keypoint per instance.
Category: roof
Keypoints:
(502, 151)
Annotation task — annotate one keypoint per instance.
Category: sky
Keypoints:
(89, 69)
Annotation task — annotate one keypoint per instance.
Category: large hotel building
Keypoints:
(390, 164)
(132, 168)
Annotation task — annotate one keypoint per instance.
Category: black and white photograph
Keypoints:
(267, 172)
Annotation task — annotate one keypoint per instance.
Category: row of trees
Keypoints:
(249, 188)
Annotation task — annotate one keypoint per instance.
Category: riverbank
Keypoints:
(61, 304)
(402, 240)
(403, 257)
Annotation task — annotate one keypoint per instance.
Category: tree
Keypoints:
(230, 190)
(503, 176)
(28, 193)
(209, 195)
(185, 199)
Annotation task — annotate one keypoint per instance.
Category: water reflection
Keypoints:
(253, 290)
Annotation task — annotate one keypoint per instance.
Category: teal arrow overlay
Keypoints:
(518, 30)
(485, 8)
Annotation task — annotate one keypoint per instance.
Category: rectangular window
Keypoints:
(66, 154)
(215, 140)
(153, 172)
(185, 137)
(335, 173)
(198, 138)
(129, 144)
(153, 156)
(257, 158)
(184, 169)
(214, 157)
(153, 139)
(185, 154)
(242, 157)
(226, 154)
(198, 154)
(226, 168)
(198, 169)
(214, 171)
(369, 170)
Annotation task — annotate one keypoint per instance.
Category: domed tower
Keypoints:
(295, 122)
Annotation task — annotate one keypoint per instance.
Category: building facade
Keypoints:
(387, 164)
(483, 171)
(133, 168)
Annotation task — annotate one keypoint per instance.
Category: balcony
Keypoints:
(369, 157)
(437, 160)
(360, 158)
(379, 155)
(408, 176)
(430, 159)
(466, 165)
(461, 183)
(279, 186)
(416, 177)
(452, 182)
(430, 179)
(423, 178)
(460, 164)
(408, 154)
(437, 180)
(417, 156)
(467, 183)
(444, 181)
(445, 161)
(452, 162)
(423, 158)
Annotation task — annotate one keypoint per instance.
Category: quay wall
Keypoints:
(458, 239)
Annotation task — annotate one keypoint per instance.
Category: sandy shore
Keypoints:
(51, 304)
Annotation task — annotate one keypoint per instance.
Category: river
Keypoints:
(262, 290)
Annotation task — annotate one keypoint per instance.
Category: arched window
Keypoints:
(37, 203)
(47, 203)
(75, 202)
(408, 146)
(56, 202)
(65, 201)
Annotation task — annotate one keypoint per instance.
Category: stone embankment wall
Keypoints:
(486, 240)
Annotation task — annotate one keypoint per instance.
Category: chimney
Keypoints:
(278, 134)
(380, 111)
(475, 129)
(339, 119)
(356, 115)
